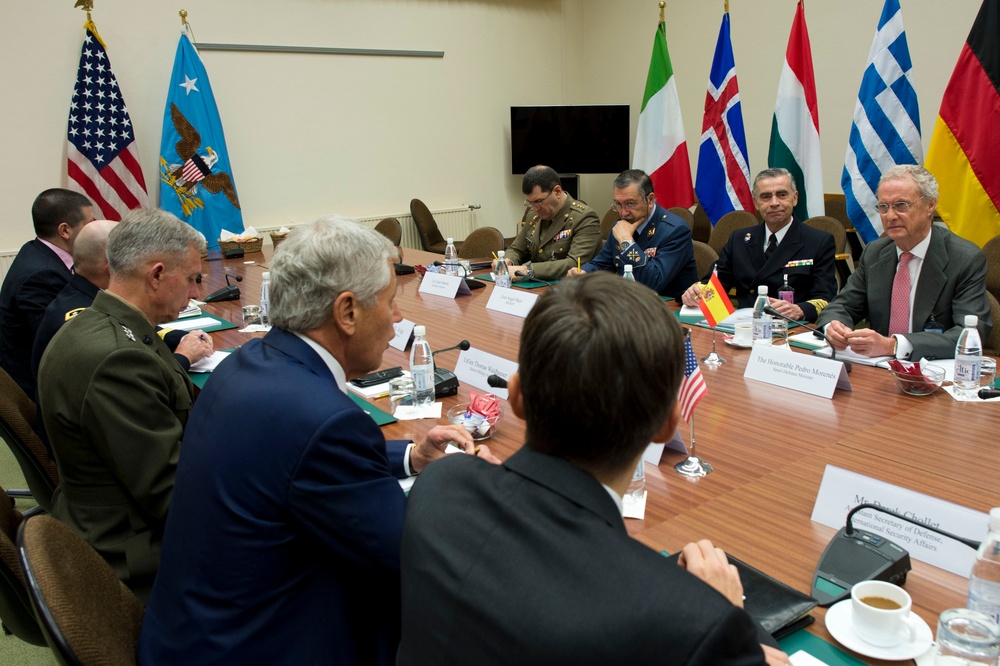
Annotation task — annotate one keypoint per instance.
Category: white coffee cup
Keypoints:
(743, 333)
(880, 613)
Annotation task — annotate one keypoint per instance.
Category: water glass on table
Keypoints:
(251, 315)
(966, 637)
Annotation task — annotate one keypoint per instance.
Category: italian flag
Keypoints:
(795, 127)
(964, 149)
(660, 147)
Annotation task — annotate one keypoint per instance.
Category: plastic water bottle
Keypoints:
(451, 258)
(968, 358)
(502, 277)
(637, 486)
(628, 273)
(422, 367)
(984, 583)
(786, 293)
(265, 299)
(761, 320)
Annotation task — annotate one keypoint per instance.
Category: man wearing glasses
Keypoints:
(655, 242)
(557, 233)
(914, 286)
(782, 245)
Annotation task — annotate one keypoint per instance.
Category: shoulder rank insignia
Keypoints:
(746, 239)
(578, 205)
(73, 313)
(128, 333)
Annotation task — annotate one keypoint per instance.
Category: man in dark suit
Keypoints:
(282, 544)
(914, 286)
(529, 562)
(654, 241)
(115, 400)
(42, 267)
(782, 245)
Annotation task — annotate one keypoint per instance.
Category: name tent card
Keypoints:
(842, 490)
(404, 333)
(654, 451)
(439, 284)
(801, 372)
(511, 301)
(474, 366)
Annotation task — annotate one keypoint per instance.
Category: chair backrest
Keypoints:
(17, 419)
(430, 236)
(608, 221)
(992, 251)
(704, 258)
(837, 209)
(88, 616)
(727, 224)
(391, 229)
(684, 213)
(482, 243)
(15, 606)
(701, 226)
(831, 226)
(991, 345)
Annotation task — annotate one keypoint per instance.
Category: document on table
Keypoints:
(209, 363)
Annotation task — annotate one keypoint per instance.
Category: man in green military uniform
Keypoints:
(115, 401)
(558, 233)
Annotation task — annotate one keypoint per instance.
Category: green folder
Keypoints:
(826, 652)
(381, 418)
(521, 284)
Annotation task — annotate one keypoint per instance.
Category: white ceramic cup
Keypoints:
(882, 627)
(743, 333)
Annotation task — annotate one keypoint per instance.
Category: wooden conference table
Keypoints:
(769, 445)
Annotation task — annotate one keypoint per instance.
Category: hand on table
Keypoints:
(437, 440)
(691, 297)
(774, 656)
(869, 342)
(790, 310)
(575, 271)
(710, 564)
(837, 333)
(195, 346)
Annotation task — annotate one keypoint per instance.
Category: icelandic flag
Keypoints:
(886, 128)
(196, 177)
(723, 180)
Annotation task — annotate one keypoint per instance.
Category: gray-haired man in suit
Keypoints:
(919, 311)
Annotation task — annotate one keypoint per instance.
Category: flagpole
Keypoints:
(184, 16)
(713, 359)
(85, 5)
(693, 466)
(662, 5)
(727, 7)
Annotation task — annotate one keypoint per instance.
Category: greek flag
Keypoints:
(886, 128)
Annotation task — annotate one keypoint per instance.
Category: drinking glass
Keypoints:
(966, 637)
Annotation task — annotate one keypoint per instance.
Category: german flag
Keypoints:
(965, 146)
(714, 302)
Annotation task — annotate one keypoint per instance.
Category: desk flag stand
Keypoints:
(693, 389)
(712, 359)
(693, 466)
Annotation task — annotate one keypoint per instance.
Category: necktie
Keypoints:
(899, 315)
(772, 245)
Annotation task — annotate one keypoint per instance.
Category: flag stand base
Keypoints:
(693, 466)
(713, 359)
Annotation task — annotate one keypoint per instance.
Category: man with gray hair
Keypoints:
(914, 286)
(115, 400)
(283, 539)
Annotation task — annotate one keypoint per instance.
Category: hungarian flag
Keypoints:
(714, 301)
(660, 146)
(795, 127)
(966, 141)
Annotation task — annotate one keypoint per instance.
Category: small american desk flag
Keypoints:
(693, 387)
(102, 159)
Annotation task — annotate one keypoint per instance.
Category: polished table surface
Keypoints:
(769, 445)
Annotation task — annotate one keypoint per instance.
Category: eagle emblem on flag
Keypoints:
(196, 169)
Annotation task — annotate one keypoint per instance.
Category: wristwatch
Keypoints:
(624, 245)
(531, 270)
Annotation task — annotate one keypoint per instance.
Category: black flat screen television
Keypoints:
(570, 139)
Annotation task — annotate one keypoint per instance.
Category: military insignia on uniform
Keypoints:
(650, 252)
(128, 333)
(746, 239)
(563, 234)
(73, 313)
(650, 232)
(633, 254)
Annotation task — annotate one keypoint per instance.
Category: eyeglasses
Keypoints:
(626, 205)
(901, 207)
(539, 202)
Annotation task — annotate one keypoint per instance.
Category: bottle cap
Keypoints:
(267, 275)
(500, 254)
(995, 519)
(971, 321)
(451, 241)
(419, 331)
(628, 268)
(762, 289)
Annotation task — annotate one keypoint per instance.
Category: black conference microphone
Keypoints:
(987, 393)
(463, 345)
(833, 352)
(230, 292)
(496, 381)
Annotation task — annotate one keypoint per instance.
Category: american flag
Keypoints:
(102, 159)
(693, 387)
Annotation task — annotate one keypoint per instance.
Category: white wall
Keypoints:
(313, 134)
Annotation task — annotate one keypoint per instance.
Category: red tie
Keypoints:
(899, 315)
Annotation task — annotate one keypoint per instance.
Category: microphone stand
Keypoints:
(833, 352)
(693, 467)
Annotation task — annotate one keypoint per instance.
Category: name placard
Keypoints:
(511, 301)
(439, 284)
(474, 366)
(842, 490)
(654, 451)
(404, 331)
(801, 372)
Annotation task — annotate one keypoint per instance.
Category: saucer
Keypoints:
(729, 340)
(841, 627)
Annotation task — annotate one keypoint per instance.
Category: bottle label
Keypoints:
(762, 330)
(787, 295)
(502, 280)
(423, 377)
(967, 370)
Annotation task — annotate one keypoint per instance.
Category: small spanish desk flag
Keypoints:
(714, 301)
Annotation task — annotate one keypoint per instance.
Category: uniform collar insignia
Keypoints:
(128, 333)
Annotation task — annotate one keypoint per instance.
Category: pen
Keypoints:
(578, 263)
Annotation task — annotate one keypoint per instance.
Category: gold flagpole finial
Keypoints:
(184, 16)
(85, 5)
(662, 5)
(727, 6)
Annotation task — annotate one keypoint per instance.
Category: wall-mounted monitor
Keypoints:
(570, 139)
